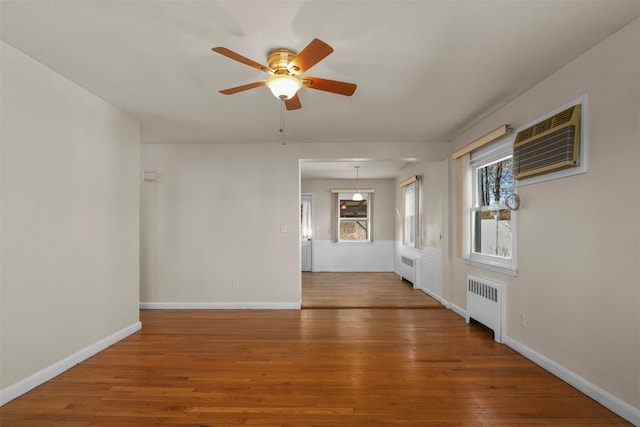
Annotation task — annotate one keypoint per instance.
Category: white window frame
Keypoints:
(480, 158)
(349, 196)
(411, 237)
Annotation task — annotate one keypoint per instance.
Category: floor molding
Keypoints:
(435, 296)
(601, 396)
(220, 306)
(9, 393)
(459, 311)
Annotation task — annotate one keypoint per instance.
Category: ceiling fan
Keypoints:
(285, 69)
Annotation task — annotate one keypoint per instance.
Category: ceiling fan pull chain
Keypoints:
(282, 121)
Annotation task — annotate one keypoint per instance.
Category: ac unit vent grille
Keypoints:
(555, 148)
(549, 145)
(550, 123)
(564, 116)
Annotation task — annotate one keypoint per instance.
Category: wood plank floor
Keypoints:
(332, 367)
(361, 290)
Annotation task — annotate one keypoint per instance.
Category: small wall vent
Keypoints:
(549, 145)
(149, 176)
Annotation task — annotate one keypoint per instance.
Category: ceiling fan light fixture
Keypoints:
(283, 86)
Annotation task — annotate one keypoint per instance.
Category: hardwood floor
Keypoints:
(361, 290)
(331, 367)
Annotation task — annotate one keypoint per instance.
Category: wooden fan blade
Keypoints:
(237, 89)
(293, 103)
(237, 57)
(313, 53)
(333, 86)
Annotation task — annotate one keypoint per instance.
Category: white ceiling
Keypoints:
(424, 69)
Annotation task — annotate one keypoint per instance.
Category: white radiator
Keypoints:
(408, 269)
(486, 303)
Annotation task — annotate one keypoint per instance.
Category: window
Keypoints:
(492, 222)
(410, 215)
(354, 218)
(306, 223)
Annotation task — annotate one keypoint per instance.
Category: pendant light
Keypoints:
(357, 197)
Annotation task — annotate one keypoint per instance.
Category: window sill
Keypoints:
(509, 271)
(411, 250)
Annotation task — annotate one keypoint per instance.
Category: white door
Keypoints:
(306, 230)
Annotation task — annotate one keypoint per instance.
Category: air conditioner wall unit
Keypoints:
(549, 145)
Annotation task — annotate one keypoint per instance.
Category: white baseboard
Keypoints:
(351, 270)
(220, 306)
(460, 311)
(9, 393)
(601, 396)
(435, 297)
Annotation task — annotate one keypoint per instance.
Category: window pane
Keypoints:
(353, 218)
(305, 219)
(494, 182)
(411, 231)
(410, 215)
(353, 230)
(353, 209)
(492, 232)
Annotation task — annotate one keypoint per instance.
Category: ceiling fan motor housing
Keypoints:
(279, 60)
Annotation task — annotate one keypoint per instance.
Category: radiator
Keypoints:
(486, 303)
(408, 269)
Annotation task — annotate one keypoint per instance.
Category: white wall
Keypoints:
(328, 255)
(69, 221)
(213, 217)
(579, 237)
(215, 213)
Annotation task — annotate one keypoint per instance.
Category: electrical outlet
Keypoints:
(523, 320)
(236, 284)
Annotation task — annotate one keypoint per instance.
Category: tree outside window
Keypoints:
(492, 227)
